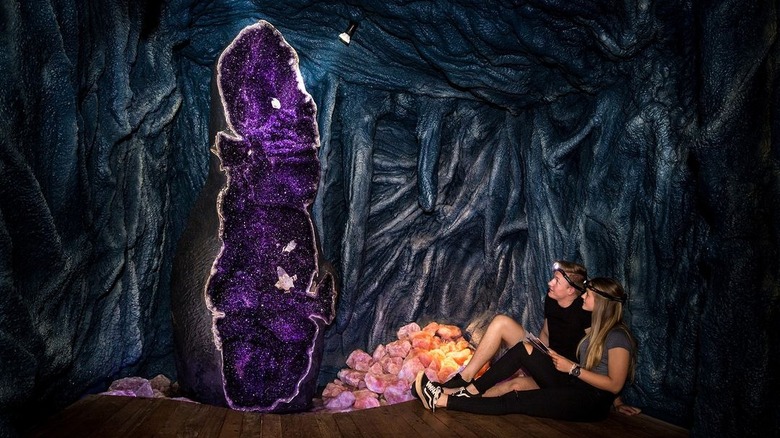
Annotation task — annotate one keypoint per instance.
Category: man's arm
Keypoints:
(544, 335)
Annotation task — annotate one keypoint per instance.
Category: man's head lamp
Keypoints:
(557, 268)
(621, 299)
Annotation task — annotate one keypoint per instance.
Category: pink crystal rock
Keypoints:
(391, 368)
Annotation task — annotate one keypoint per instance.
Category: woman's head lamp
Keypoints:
(557, 268)
(621, 299)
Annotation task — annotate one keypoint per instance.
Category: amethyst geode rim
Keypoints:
(267, 296)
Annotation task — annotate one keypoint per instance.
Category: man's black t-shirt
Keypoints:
(566, 326)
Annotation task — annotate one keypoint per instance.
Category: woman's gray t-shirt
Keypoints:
(616, 338)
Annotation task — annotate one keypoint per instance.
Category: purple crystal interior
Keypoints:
(270, 303)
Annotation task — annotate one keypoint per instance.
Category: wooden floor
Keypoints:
(112, 416)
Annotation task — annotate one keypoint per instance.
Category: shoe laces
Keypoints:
(435, 392)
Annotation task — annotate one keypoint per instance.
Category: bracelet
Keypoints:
(573, 366)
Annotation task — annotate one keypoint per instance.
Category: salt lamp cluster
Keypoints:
(385, 376)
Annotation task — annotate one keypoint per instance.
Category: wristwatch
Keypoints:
(575, 371)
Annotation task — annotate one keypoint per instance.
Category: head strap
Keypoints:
(557, 268)
(621, 299)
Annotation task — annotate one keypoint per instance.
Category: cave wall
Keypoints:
(463, 147)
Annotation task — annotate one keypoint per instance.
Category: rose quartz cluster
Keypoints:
(385, 376)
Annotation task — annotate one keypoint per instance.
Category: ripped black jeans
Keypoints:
(560, 396)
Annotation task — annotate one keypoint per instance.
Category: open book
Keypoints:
(537, 343)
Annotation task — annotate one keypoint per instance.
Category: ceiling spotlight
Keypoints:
(346, 36)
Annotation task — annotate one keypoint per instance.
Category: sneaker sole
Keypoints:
(418, 389)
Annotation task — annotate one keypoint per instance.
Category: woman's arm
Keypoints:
(617, 370)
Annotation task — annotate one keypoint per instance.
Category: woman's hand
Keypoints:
(625, 409)
(561, 363)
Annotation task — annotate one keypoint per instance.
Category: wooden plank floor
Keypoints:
(112, 416)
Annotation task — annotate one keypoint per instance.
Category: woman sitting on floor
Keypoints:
(607, 356)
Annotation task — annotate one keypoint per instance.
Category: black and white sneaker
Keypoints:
(456, 381)
(427, 391)
(463, 392)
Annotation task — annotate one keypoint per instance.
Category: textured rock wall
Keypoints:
(463, 145)
(94, 192)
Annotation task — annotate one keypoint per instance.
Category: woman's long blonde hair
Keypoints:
(607, 315)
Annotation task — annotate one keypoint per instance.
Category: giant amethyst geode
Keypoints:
(250, 296)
